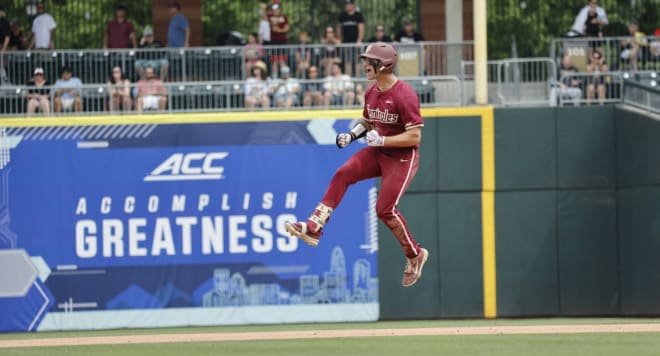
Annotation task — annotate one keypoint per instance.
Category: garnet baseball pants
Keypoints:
(397, 167)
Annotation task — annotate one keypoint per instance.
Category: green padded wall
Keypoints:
(586, 147)
(525, 149)
(639, 247)
(459, 154)
(638, 147)
(588, 258)
(423, 299)
(459, 255)
(526, 233)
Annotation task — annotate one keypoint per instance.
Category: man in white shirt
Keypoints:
(338, 87)
(43, 28)
(579, 25)
(264, 25)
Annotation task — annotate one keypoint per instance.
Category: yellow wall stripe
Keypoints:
(183, 118)
(488, 212)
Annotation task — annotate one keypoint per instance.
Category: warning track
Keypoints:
(326, 334)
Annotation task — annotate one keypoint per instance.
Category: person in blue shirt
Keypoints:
(67, 92)
(178, 33)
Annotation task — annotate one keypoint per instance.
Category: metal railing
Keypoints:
(643, 94)
(587, 89)
(227, 63)
(213, 96)
(514, 81)
(619, 52)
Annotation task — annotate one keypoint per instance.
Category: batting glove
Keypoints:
(344, 139)
(375, 139)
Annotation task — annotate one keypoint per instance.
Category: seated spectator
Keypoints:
(379, 35)
(119, 32)
(408, 34)
(329, 52)
(253, 52)
(596, 83)
(592, 17)
(312, 88)
(38, 95)
(67, 92)
(119, 90)
(654, 47)
(634, 48)
(151, 92)
(154, 59)
(18, 40)
(303, 55)
(256, 87)
(338, 88)
(568, 84)
(286, 89)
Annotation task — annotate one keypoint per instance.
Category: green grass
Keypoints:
(571, 344)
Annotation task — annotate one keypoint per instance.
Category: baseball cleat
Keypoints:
(413, 270)
(300, 230)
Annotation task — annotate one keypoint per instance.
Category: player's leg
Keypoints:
(397, 174)
(362, 165)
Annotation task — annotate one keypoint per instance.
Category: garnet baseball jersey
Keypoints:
(394, 111)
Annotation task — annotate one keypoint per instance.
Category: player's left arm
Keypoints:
(408, 138)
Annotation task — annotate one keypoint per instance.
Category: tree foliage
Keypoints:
(533, 24)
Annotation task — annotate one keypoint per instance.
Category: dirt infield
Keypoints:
(324, 334)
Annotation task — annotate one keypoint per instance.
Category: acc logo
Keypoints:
(189, 166)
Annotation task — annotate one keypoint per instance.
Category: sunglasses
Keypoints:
(39, 74)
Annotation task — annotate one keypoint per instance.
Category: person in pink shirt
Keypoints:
(151, 92)
(392, 125)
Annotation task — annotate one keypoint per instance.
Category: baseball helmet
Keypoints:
(384, 53)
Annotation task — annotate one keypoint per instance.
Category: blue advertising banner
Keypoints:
(180, 224)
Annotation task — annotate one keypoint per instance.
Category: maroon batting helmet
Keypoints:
(384, 54)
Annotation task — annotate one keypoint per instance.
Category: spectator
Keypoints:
(256, 87)
(408, 34)
(38, 96)
(151, 58)
(379, 35)
(264, 24)
(120, 32)
(635, 48)
(338, 88)
(350, 30)
(286, 89)
(253, 52)
(18, 40)
(67, 92)
(119, 89)
(279, 28)
(597, 80)
(178, 33)
(312, 88)
(329, 52)
(303, 54)
(43, 29)
(151, 92)
(654, 47)
(5, 31)
(592, 17)
(568, 84)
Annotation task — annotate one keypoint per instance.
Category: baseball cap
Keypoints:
(175, 4)
(148, 31)
(38, 70)
(349, 1)
(275, 4)
(285, 70)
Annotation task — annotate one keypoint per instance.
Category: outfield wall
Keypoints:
(575, 228)
(526, 212)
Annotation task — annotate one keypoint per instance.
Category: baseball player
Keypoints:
(392, 125)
